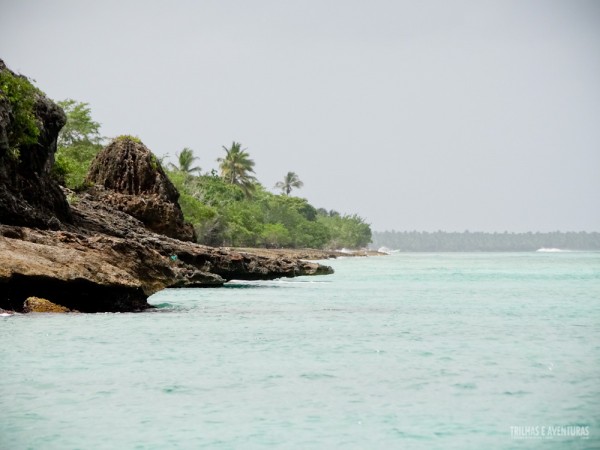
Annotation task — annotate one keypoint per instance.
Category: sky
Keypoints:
(479, 115)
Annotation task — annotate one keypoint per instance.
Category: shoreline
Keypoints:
(305, 253)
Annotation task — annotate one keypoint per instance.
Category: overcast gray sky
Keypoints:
(426, 115)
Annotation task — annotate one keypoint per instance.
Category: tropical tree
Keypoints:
(78, 143)
(349, 231)
(290, 181)
(185, 160)
(80, 128)
(236, 168)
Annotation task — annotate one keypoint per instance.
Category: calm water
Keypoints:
(407, 351)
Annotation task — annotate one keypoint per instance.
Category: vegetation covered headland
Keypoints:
(94, 228)
(225, 207)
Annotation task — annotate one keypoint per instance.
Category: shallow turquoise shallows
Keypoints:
(448, 351)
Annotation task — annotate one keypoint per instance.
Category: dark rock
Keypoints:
(29, 196)
(135, 183)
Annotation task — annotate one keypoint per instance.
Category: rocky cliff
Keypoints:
(28, 195)
(112, 246)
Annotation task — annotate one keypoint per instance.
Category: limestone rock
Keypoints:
(135, 183)
(67, 269)
(41, 305)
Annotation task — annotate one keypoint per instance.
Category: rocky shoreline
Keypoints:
(111, 247)
(309, 253)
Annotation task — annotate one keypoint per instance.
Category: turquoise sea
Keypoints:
(415, 351)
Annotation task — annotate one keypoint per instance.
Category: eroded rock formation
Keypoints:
(135, 183)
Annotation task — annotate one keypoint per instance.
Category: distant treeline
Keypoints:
(441, 241)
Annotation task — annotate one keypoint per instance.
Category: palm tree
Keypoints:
(185, 159)
(236, 167)
(290, 181)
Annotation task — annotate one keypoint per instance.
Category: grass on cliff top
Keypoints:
(127, 137)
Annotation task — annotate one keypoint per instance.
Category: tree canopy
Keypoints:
(290, 181)
(185, 160)
(223, 215)
(79, 127)
(236, 168)
(78, 143)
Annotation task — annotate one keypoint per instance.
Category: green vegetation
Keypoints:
(21, 96)
(232, 208)
(441, 241)
(290, 181)
(79, 127)
(236, 168)
(346, 231)
(185, 160)
(223, 214)
(128, 137)
(72, 199)
(78, 143)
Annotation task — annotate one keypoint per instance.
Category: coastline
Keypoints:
(108, 247)
(306, 253)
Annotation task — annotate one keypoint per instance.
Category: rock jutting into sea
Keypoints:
(111, 247)
(41, 305)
